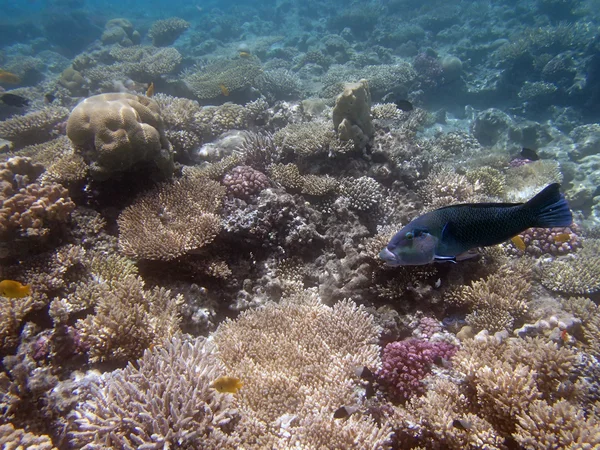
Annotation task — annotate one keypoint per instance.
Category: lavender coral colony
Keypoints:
(349, 226)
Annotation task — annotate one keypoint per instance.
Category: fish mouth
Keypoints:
(388, 257)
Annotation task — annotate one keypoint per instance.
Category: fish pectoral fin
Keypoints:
(439, 258)
(447, 233)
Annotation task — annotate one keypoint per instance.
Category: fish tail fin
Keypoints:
(549, 208)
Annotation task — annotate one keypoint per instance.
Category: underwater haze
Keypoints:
(300, 224)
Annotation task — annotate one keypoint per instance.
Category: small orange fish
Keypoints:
(14, 289)
(244, 54)
(150, 90)
(224, 89)
(227, 384)
(8, 77)
(562, 238)
(519, 243)
(564, 335)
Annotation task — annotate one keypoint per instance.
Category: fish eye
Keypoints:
(409, 235)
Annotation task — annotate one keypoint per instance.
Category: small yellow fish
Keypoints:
(519, 242)
(8, 77)
(224, 89)
(227, 384)
(562, 237)
(244, 54)
(150, 90)
(14, 289)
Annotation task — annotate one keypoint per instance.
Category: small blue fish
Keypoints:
(448, 234)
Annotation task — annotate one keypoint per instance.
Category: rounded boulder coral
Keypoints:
(114, 132)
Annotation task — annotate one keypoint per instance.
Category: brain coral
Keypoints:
(114, 132)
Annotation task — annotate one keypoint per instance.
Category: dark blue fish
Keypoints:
(447, 234)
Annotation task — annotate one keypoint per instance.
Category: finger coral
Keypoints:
(114, 132)
(172, 219)
(244, 182)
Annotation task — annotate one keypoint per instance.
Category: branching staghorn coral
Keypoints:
(165, 400)
(446, 187)
(575, 274)
(172, 219)
(589, 314)
(526, 180)
(306, 138)
(296, 360)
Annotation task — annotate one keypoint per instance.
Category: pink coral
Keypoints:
(406, 363)
(549, 241)
(244, 182)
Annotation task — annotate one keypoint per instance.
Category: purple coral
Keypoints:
(428, 326)
(244, 182)
(430, 70)
(406, 363)
(549, 241)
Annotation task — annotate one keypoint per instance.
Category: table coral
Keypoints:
(165, 32)
(114, 132)
(33, 127)
(234, 75)
(575, 274)
(172, 219)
